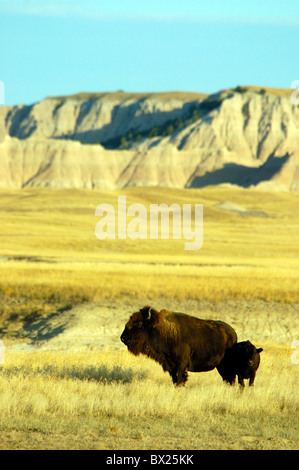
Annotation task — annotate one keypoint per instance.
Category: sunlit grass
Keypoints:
(108, 391)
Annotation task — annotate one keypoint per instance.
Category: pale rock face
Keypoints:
(249, 139)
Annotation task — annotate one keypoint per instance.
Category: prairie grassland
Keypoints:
(49, 237)
(53, 266)
(105, 400)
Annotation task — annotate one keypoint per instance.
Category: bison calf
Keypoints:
(242, 360)
(177, 341)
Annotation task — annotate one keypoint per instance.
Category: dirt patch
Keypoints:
(101, 324)
(231, 207)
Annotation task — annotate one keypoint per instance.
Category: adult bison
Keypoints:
(177, 341)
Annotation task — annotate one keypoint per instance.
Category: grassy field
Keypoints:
(53, 268)
(115, 401)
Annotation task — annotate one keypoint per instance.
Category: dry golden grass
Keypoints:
(249, 257)
(283, 92)
(51, 261)
(113, 400)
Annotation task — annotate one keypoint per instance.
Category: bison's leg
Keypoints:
(230, 380)
(241, 381)
(174, 375)
(251, 380)
(183, 363)
(178, 378)
(170, 366)
(179, 374)
(226, 368)
(177, 364)
(227, 374)
(182, 377)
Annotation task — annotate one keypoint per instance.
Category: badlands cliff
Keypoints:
(246, 136)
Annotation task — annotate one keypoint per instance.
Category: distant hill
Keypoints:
(247, 136)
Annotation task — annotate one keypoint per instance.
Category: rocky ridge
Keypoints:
(246, 136)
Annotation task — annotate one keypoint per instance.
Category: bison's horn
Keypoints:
(149, 313)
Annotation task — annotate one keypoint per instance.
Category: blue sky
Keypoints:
(56, 47)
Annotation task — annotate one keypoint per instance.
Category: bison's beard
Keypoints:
(134, 348)
(137, 345)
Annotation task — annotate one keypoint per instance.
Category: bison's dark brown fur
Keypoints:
(242, 360)
(177, 341)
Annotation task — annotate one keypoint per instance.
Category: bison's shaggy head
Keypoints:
(135, 334)
(247, 356)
